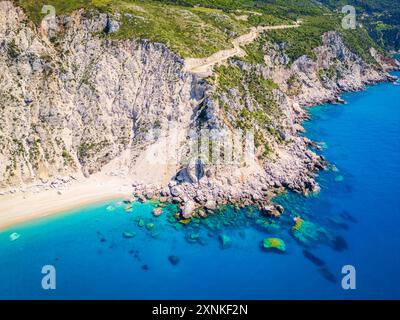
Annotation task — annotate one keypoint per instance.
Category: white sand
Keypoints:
(156, 165)
(21, 207)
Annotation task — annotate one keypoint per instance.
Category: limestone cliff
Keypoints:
(73, 102)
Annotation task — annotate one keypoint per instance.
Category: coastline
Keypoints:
(23, 207)
(252, 182)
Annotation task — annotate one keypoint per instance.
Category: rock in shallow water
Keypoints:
(157, 212)
(145, 267)
(314, 259)
(274, 244)
(173, 259)
(149, 226)
(225, 241)
(141, 223)
(129, 235)
(188, 209)
(14, 236)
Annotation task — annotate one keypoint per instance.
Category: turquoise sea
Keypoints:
(355, 220)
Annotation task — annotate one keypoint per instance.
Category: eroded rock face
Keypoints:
(77, 102)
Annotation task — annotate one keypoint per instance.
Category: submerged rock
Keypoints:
(149, 226)
(173, 259)
(348, 216)
(273, 210)
(128, 200)
(314, 259)
(128, 234)
(145, 267)
(309, 233)
(339, 178)
(194, 236)
(141, 223)
(339, 244)
(157, 212)
(155, 234)
(274, 244)
(225, 241)
(328, 275)
(184, 221)
(14, 236)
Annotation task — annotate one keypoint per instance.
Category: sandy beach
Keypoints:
(21, 207)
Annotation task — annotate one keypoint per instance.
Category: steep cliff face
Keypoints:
(334, 70)
(270, 99)
(72, 103)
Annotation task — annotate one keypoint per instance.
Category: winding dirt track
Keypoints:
(204, 66)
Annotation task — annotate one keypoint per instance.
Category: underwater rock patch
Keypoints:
(339, 244)
(14, 236)
(348, 216)
(314, 259)
(225, 241)
(173, 259)
(273, 210)
(327, 275)
(128, 234)
(308, 233)
(145, 267)
(339, 178)
(274, 244)
(157, 212)
(149, 226)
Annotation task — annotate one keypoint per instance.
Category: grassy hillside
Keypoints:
(198, 28)
(187, 28)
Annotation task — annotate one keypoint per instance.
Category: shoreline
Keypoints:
(19, 208)
(22, 207)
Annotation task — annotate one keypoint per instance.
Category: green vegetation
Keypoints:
(257, 91)
(68, 159)
(34, 152)
(381, 18)
(301, 41)
(184, 26)
(12, 50)
(86, 150)
(198, 28)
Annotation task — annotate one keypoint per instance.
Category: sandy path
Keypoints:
(204, 66)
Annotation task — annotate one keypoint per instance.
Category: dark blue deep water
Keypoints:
(358, 210)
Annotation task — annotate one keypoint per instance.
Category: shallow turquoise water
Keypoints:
(358, 205)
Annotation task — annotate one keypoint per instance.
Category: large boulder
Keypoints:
(211, 204)
(188, 209)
